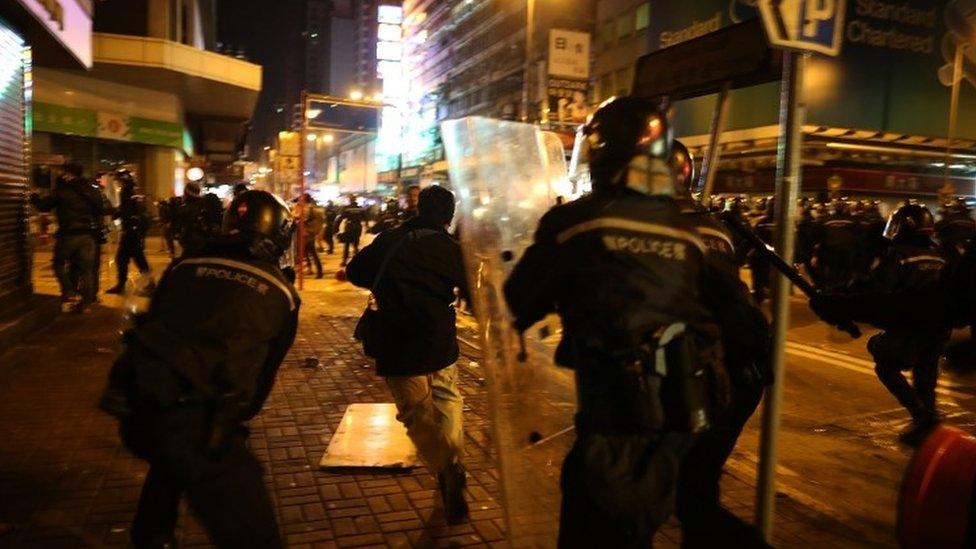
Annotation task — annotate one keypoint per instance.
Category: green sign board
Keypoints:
(893, 73)
(68, 120)
(155, 132)
(91, 123)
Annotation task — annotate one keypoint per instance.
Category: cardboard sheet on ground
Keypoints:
(370, 436)
(507, 175)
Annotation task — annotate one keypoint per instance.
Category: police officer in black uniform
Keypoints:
(838, 247)
(746, 345)
(757, 263)
(354, 218)
(623, 267)
(201, 362)
(956, 229)
(197, 219)
(905, 298)
(135, 223)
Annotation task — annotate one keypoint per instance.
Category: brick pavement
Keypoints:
(66, 481)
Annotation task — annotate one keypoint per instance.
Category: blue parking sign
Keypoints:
(804, 25)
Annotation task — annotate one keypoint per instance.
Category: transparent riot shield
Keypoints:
(502, 172)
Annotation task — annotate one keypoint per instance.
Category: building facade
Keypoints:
(470, 58)
(156, 99)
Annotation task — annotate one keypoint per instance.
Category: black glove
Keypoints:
(831, 308)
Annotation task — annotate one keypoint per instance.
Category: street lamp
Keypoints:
(328, 138)
(356, 95)
(310, 137)
(527, 70)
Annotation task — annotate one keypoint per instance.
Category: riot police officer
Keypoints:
(131, 213)
(197, 219)
(745, 342)
(956, 229)
(838, 247)
(904, 297)
(201, 362)
(352, 218)
(623, 267)
(757, 264)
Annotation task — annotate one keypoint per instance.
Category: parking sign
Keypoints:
(804, 25)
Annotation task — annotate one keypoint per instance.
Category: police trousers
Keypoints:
(704, 522)
(429, 406)
(617, 490)
(131, 247)
(895, 352)
(225, 489)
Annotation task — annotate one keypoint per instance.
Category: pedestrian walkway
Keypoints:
(65, 480)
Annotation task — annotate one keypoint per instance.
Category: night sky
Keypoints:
(270, 33)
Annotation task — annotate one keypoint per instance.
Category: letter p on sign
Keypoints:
(817, 12)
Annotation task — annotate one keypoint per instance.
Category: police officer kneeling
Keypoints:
(905, 297)
(623, 267)
(196, 366)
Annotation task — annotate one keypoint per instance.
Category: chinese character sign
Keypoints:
(569, 54)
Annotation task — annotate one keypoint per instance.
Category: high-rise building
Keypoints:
(465, 58)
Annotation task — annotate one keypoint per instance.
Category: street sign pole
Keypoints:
(300, 210)
(791, 115)
(706, 181)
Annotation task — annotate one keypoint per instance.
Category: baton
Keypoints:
(789, 271)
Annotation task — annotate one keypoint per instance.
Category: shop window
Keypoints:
(624, 79)
(606, 86)
(607, 33)
(643, 17)
(625, 25)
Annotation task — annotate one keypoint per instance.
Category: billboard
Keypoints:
(893, 74)
(344, 116)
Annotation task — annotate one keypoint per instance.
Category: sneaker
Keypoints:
(116, 290)
(82, 309)
(452, 482)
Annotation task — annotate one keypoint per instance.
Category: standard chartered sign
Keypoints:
(895, 26)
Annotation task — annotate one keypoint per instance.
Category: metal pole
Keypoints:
(527, 70)
(706, 181)
(953, 109)
(300, 252)
(791, 115)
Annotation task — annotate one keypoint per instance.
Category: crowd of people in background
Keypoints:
(838, 241)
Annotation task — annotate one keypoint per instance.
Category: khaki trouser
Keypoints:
(429, 406)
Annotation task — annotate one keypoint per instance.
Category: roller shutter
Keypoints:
(14, 247)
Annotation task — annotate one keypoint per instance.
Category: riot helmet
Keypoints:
(909, 220)
(125, 178)
(264, 220)
(628, 143)
(959, 206)
(683, 166)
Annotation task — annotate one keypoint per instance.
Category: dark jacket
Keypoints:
(198, 220)
(415, 296)
(220, 323)
(745, 330)
(78, 205)
(905, 291)
(614, 264)
(132, 214)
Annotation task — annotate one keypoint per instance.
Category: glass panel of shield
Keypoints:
(504, 173)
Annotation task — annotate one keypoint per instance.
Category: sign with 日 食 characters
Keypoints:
(569, 54)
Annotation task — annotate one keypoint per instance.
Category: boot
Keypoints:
(452, 482)
(920, 428)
